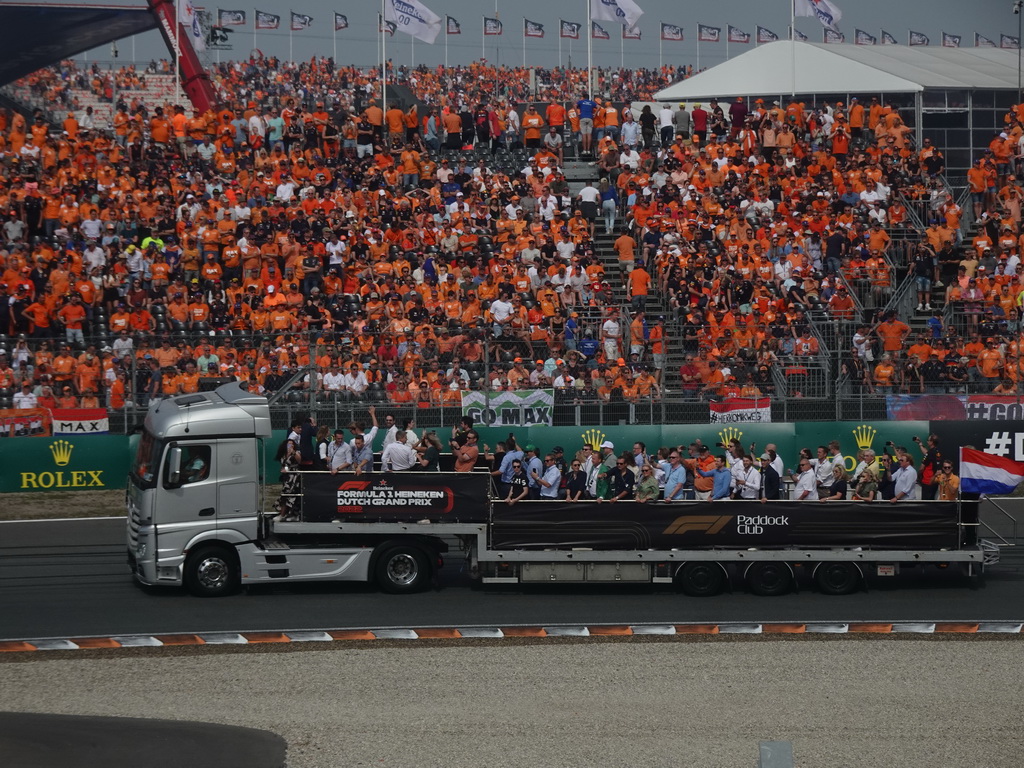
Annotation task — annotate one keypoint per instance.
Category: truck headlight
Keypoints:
(140, 550)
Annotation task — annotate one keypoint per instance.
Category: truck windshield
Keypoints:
(147, 461)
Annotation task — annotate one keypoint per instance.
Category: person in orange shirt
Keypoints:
(532, 125)
(884, 375)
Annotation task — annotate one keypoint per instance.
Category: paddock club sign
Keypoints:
(97, 462)
(394, 497)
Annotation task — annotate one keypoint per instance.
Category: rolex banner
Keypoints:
(524, 408)
(741, 409)
(65, 463)
(395, 496)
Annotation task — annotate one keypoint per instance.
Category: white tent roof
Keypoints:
(787, 66)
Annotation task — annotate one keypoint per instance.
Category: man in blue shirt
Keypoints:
(586, 107)
(534, 469)
(675, 480)
(723, 479)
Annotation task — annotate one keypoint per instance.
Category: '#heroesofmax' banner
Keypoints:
(395, 496)
(741, 409)
(700, 525)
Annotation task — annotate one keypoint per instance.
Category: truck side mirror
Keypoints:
(174, 466)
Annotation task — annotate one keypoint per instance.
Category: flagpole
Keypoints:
(792, 43)
(559, 43)
(255, 17)
(291, 57)
(660, 42)
(177, 55)
(622, 48)
(524, 42)
(383, 60)
(727, 45)
(446, 43)
(590, 53)
(483, 39)
(335, 42)
(412, 52)
(698, 49)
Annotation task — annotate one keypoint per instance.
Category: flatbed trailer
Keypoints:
(199, 516)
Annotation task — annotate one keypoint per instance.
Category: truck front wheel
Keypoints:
(211, 571)
(402, 569)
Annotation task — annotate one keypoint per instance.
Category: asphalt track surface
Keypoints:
(70, 578)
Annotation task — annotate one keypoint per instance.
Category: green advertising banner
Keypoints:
(64, 463)
(98, 462)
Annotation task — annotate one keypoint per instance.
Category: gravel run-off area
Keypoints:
(879, 701)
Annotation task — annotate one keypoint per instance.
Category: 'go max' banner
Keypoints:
(954, 408)
(523, 408)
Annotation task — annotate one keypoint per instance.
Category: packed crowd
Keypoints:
(411, 253)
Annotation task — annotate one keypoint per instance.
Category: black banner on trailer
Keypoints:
(395, 496)
(999, 438)
(700, 525)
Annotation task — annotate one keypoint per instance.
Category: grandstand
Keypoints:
(305, 241)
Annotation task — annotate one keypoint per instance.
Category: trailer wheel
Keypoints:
(837, 578)
(701, 579)
(402, 569)
(211, 571)
(769, 579)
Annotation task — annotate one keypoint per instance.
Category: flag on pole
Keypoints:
(301, 21)
(831, 36)
(825, 11)
(569, 29)
(452, 27)
(413, 18)
(598, 32)
(1007, 41)
(631, 33)
(189, 20)
(492, 26)
(918, 38)
(624, 12)
(671, 32)
(532, 29)
(950, 41)
(863, 38)
(230, 18)
(706, 34)
(888, 39)
(982, 472)
(980, 41)
(266, 20)
(765, 35)
(386, 26)
(737, 35)
(798, 35)
(340, 21)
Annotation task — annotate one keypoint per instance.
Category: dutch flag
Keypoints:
(992, 475)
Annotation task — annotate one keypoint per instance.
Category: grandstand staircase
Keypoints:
(578, 173)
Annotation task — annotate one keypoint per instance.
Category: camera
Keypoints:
(916, 439)
(720, 445)
(889, 442)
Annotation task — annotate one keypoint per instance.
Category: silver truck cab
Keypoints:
(196, 480)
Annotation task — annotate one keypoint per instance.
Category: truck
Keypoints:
(201, 515)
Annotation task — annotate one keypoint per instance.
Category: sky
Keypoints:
(359, 44)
